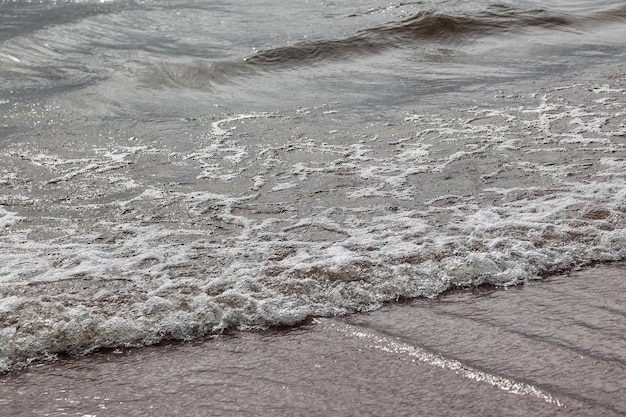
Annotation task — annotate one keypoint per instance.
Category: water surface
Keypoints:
(174, 169)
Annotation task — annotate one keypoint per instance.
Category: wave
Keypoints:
(248, 226)
(78, 43)
(427, 26)
(421, 29)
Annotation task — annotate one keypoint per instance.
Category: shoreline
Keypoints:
(479, 289)
(548, 347)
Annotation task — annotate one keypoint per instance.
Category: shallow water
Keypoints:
(553, 348)
(173, 169)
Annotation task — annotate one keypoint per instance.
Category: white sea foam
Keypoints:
(275, 221)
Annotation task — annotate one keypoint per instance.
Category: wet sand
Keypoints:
(556, 347)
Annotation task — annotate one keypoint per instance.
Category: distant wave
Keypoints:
(424, 26)
(419, 29)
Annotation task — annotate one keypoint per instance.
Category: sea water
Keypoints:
(172, 169)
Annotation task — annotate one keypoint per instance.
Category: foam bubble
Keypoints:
(274, 221)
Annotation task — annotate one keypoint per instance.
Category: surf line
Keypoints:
(389, 345)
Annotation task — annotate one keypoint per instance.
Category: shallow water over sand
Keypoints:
(544, 349)
(170, 170)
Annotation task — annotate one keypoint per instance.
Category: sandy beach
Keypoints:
(549, 348)
(381, 185)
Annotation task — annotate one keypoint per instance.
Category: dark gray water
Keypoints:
(174, 169)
